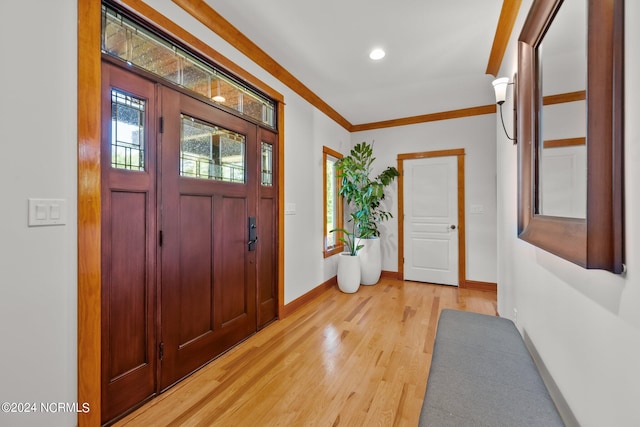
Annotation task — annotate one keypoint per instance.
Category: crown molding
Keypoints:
(444, 115)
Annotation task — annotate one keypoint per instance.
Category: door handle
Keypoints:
(453, 227)
(253, 236)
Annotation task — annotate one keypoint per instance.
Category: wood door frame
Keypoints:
(89, 187)
(459, 153)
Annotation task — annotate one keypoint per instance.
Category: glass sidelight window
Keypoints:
(211, 152)
(127, 131)
(266, 168)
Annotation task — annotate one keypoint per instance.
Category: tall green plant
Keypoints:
(362, 193)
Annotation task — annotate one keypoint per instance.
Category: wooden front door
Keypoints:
(208, 270)
(189, 236)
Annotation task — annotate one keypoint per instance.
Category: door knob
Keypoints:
(453, 227)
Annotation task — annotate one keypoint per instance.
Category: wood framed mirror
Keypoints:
(593, 238)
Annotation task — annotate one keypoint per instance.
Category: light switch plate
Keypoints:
(290, 209)
(477, 209)
(47, 212)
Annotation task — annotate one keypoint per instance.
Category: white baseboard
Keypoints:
(558, 399)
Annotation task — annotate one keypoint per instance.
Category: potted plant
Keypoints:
(349, 273)
(363, 195)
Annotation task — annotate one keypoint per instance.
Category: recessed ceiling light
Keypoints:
(377, 54)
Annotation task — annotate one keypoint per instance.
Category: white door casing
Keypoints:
(431, 220)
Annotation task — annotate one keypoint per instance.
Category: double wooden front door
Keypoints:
(188, 235)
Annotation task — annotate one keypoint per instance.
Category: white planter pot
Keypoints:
(348, 273)
(370, 261)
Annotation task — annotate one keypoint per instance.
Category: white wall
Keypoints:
(476, 136)
(37, 265)
(306, 131)
(585, 324)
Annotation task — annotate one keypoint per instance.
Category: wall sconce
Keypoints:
(500, 87)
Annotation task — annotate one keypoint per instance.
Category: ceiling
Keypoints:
(436, 51)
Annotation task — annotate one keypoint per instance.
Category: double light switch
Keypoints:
(47, 212)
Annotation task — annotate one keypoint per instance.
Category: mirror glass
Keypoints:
(562, 153)
(590, 231)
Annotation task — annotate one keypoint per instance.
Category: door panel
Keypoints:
(431, 215)
(128, 241)
(196, 261)
(208, 288)
(233, 255)
(267, 245)
(267, 302)
(126, 299)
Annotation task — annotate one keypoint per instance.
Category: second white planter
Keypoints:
(370, 261)
(348, 273)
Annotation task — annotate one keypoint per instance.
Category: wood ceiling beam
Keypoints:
(507, 19)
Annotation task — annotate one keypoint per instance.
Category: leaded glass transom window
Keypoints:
(266, 165)
(127, 131)
(128, 41)
(211, 152)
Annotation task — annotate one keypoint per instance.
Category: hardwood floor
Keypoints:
(342, 360)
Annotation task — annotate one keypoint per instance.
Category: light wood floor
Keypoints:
(341, 360)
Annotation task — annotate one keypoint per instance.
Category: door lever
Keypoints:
(253, 236)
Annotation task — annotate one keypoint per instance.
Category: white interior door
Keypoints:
(563, 182)
(431, 220)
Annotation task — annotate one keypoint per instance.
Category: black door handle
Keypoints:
(253, 236)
